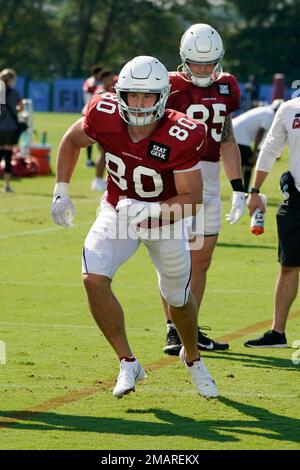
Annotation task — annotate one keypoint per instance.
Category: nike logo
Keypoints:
(199, 147)
(206, 346)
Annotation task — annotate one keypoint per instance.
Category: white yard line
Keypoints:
(21, 209)
(40, 231)
(46, 325)
(58, 325)
(122, 284)
(26, 208)
(72, 285)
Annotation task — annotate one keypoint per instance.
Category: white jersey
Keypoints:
(246, 125)
(284, 130)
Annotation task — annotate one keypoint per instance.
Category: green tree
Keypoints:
(28, 38)
(264, 38)
(54, 38)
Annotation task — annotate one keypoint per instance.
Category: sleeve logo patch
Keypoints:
(296, 123)
(224, 89)
(159, 151)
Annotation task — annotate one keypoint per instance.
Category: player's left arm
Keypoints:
(230, 153)
(231, 158)
(189, 187)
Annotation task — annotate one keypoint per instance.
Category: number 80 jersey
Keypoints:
(143, 170)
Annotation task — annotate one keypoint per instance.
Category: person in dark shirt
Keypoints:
(9, 132)
(252, 91)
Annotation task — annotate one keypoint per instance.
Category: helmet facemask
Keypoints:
(202, 80)
(143, 74)
(142, 116)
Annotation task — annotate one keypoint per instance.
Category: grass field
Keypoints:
(56, 384)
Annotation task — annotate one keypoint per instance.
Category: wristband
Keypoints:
(254, 190)
(61, 189)
(237, 185)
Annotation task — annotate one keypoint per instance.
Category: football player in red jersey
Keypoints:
(203, 92)
(89, 88)
(107, 85)
(152, 158)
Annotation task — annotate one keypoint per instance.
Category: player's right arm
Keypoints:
(74, 139)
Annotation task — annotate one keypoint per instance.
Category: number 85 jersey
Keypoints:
(143, 170)
(207, 104)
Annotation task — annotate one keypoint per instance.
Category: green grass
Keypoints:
(54, 348)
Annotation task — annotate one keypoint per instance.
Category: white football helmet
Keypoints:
(201, 44)
(143, 74)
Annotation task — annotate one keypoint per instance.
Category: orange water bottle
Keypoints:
(258, 218)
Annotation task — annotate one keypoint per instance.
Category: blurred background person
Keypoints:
(252, 90)
(108, 81)
(249, 130)
(89, 88)
(9, 127)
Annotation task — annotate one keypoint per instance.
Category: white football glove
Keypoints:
(62, 206)
(137, 211)
(238, 207)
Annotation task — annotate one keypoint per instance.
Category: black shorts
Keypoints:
(288, 228)
(8, 138)
(246, 154)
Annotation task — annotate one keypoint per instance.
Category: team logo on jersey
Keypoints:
(159, 151)
(224, 89)
(296, 123)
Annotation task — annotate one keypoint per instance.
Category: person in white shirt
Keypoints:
(284, 130)
(249, 129)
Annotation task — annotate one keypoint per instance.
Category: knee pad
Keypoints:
(176, 297)
(175, 282)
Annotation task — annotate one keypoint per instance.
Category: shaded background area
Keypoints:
(62, 38)
(52, 44)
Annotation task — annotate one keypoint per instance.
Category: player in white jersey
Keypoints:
(285, 129)
(249, 130)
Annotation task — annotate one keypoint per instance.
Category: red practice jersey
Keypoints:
(91, 85)
(143, 170)
(208, 104)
